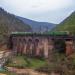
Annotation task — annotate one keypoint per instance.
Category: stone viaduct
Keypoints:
(40, 44)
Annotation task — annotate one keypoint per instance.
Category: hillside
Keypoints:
(9, 23)
(38, 26)
(67, 25)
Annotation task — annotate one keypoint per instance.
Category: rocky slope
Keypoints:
(9, 23)
(67, 25)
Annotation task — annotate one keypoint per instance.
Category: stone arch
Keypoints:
(30, 40)
(36, 47)
(24, 40)
(20, 46)
(36, 40)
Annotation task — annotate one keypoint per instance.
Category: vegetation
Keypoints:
(67, 25)
(26, 62)
(61, 64)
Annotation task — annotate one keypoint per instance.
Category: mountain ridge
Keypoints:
(67, 25)
(38, 26)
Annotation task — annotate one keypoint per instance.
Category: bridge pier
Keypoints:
(69, 47)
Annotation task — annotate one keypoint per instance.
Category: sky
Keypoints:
(53, 11)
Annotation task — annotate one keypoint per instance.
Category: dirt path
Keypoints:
(2, 74)
(25, 71)
(4, 55)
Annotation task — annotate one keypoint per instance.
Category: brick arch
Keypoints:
(20, 39)
(36, 37)
(30, 40)
(24, 40)
(38, 47)
(36, 40)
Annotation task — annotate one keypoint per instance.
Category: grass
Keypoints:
(18, 62)
(67, 25)
(35, 63)
(62, 64)
(25, 62)
(72, 58)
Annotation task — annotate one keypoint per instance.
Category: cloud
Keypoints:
(39, 9)
(37, 5)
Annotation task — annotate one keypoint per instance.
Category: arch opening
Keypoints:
(60, 46)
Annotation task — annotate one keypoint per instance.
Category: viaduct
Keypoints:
(41, 44)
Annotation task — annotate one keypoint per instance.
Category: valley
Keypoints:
(29, 47)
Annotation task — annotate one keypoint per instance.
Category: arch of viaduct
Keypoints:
(40, 45)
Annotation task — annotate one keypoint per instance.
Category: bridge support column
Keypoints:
(30, 50)
(69, 47)
(46, 48)
(37, 50)
(25, 46)
(51, 50)
(20, 48)
(14, 48)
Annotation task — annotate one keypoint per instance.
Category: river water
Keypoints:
(1, 68)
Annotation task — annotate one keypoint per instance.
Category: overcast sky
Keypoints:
(53, 11)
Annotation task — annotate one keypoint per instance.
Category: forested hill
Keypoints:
(67, 25)
(38, 26)
(9, 23)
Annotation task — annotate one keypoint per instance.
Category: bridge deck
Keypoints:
(52, 35)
